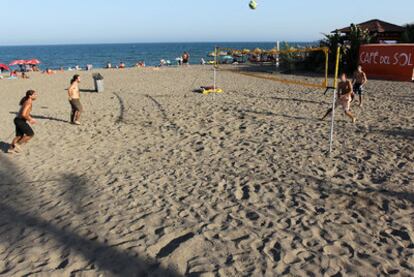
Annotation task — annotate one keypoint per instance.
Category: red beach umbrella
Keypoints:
(33, 62)
(4, 67)
(18, 62)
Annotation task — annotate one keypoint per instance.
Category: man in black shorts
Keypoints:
(74, 100)
(24, 132)
(360, 79)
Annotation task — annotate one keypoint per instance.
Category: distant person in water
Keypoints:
(108, 65)
(344, 99)
(359, 81)
(140, 64)
(121, 65)
(74, 100)
(24, 132)
(186, 58)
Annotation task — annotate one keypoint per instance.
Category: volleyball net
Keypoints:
(308, 67)
(305, 67)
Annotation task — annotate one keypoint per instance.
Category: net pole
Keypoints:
(326, 66)
(214, 68)
(214, 83)
(334, 100)
(277, 55)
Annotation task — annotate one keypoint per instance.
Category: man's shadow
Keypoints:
(86, 90)
(45, 117)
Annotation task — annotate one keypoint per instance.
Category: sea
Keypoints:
(98, 55)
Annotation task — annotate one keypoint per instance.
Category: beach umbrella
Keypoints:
(257, 51)
(33, 62)
(17, 62)
(272, 51)
(4, 67)
(237, 53)
(245, 51)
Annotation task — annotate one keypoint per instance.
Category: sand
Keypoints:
(160, 181)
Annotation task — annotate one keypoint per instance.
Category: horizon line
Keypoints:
(172, 42)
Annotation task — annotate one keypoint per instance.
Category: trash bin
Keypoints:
(99, 83)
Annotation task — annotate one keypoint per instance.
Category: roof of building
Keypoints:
(375, 26)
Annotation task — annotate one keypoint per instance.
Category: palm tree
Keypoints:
(349, 46)
(408, 35)
(357, 37)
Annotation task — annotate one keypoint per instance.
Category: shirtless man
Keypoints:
(344, 99)
(74, 100)
(360, 79)
(24, 132)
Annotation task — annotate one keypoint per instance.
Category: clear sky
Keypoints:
(105, 21)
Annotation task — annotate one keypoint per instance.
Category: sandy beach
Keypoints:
(161, 181)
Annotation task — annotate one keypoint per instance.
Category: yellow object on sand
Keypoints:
(208, 91)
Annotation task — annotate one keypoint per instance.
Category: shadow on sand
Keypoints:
(88, 90)
(4, 146)
(16, 215)
(45, 117)
(296, 100)
(268, 113)
(401, 133)
(329, 187)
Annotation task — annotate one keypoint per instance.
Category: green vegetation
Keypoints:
(408, 36)
(349, 47)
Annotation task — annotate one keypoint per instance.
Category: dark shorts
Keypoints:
(76, 105)
(359, 89)
(23, 128)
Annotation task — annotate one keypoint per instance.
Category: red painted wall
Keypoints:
(388, 62)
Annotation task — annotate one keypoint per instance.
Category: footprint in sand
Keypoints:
(243, 193)
(276, 252)
(169, 243)
(253, 216)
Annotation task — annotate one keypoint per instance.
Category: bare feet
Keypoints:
(354, 120)
(17, 148)
(13, 150)
(77, 123)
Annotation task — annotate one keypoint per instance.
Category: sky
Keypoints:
(34, 22)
